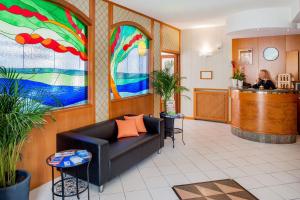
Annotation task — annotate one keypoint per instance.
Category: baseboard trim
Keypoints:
(189, 117)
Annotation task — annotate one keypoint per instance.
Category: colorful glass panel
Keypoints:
(129, 62)
(47, 45)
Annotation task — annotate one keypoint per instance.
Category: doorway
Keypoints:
(172, 61)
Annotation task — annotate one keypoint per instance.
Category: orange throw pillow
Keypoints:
(139, 121)
(126, 128)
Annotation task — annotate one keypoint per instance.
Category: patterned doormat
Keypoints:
(214, 190)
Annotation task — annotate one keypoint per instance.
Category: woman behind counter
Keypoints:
(264, 81)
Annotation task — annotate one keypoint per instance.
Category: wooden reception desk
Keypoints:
(268, 116)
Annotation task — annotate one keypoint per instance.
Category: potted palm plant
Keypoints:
(18, 116)
(166, 85)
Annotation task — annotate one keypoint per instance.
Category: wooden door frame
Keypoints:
(177, 69)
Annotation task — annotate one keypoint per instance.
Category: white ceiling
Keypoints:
(186, 14)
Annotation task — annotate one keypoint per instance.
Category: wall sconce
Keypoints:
(207, 50)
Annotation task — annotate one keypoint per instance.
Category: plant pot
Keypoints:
(240, 83)
(234, 82)
(170, 106)
(169, 124)
(19, 191)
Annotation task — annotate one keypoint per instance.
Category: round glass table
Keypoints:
(70, 162)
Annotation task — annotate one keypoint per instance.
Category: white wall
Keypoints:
(195, 41)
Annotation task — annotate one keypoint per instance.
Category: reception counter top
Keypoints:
(276, 91)
(268, 116)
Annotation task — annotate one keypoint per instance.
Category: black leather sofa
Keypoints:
(111, 156)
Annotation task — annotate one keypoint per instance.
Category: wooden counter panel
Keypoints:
(211, 105)
(265, 113)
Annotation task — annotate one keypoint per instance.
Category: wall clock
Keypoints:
(271, 54)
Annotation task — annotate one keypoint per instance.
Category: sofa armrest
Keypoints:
(99, 148)
(155, 126)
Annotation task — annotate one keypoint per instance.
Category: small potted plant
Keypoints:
(238, 78)
(18, 116)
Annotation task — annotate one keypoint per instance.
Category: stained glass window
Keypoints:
(47, 45)
(129, 62)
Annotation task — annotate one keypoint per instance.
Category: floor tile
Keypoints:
(176, 179)
(138, 195)
(163, 194)
(156, 182)
(216, 175)
(197, 177)
(265, 194)
(267, 179)
(286, 192)
(234, 172)
(118, 196)
(149, 172)
(187, 168)
(167, 170)
(222, 164)
(113, 186)
(285, 177)
(249, 183)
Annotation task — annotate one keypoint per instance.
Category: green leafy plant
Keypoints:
(167, 84)
(239, 75)
(18, 116)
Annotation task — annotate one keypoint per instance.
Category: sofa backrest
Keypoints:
(106, 130)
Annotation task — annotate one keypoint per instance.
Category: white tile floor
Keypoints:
(271, 172)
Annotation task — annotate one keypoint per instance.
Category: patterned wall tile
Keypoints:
(157, 63)
(170, 38)
(120, 14)
(101, 68)
(82, 5)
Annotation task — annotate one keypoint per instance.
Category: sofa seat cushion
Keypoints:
(125, 145)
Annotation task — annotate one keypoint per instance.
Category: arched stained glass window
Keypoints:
(47, 45)
(129, 62)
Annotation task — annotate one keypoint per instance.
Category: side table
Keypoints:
(69, 186)
(170, 129)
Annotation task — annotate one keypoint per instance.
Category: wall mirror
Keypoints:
(271, 54)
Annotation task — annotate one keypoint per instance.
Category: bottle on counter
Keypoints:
(261, 87)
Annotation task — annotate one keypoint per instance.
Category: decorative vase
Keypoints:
(234, 82)
(19, 191)
(240, 83)
(170, 107)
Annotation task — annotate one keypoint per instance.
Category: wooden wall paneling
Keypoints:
(277, 66)
(42, 142)
(151, 68)
(136, 105)
(211, 104)
(298, 116)
(284, 44)
(292, 43)
(91, 54)
(292, 64)
(247, 43)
